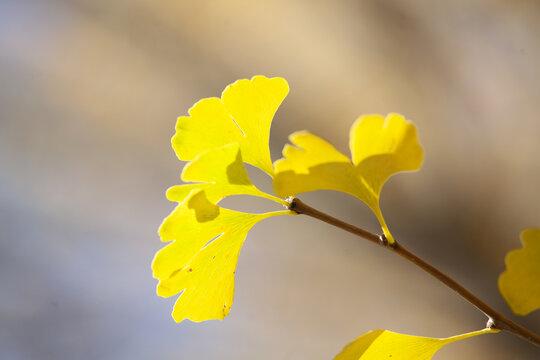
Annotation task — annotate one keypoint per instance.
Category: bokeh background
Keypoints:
(89, 95)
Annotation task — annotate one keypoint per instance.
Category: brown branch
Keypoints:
(496, 319)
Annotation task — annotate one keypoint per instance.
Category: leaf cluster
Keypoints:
(204, 239)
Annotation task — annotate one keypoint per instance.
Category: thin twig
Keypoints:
(495, 319)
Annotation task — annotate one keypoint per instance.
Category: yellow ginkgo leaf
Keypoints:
(380, 147)
(201, 259)
(220, 172)
(384, 344)
(520, 283)
(243, 115)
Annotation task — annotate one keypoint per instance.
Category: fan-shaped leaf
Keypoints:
(201, 259)
(220, 172)
(380, 147)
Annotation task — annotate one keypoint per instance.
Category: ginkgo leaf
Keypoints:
(201, 259)
(220, 172)
(380, 147)
(384, 344)
(243, 115)
(520, 283)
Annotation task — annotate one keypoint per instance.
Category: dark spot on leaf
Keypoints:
(213, 257)
(190, 270)
(174, 273)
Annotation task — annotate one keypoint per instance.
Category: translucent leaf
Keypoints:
(380, 147)
(243, 115)
(520, 283)
(201, 259)
(384, 344)
(220, 172)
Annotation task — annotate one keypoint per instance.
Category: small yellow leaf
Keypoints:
(243, 115)
(220, 172)
(201, 259)
(380, 147)
(384, 344)
(520, 283)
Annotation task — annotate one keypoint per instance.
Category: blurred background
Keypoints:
(89, 95)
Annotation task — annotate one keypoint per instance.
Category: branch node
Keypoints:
(491, 323)
(291, 200)
(383, 240)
